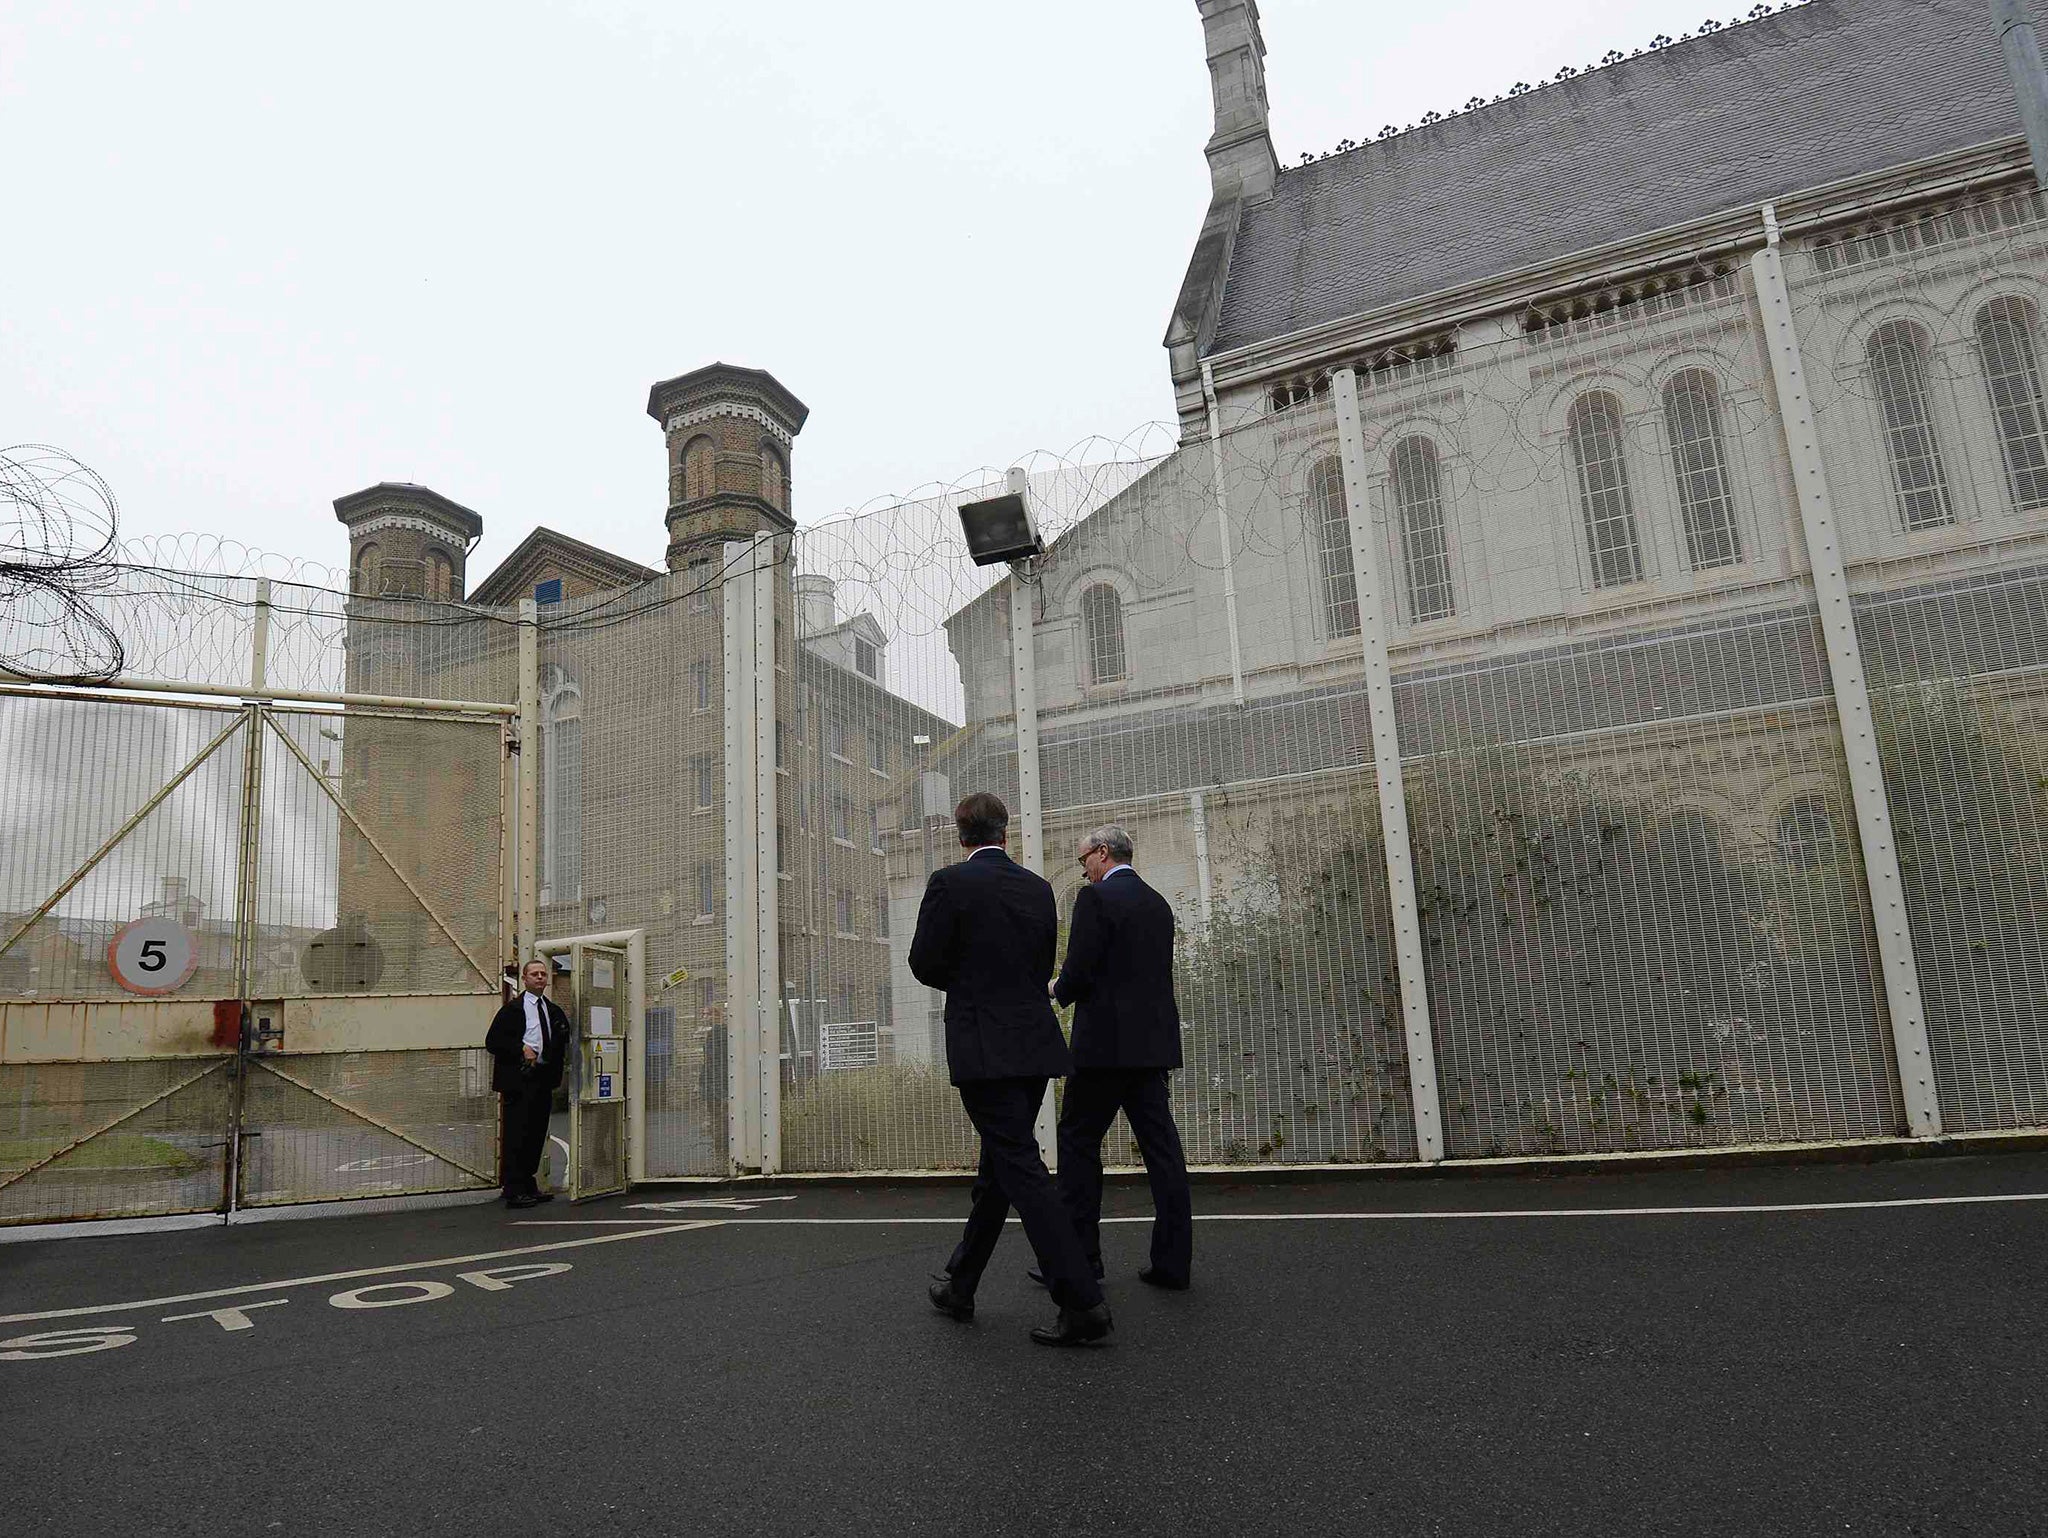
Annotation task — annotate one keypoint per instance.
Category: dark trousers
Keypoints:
(1013, 1175)
(1094, 1096)
(522, 1134)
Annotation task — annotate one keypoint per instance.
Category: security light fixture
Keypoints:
(1000, 528)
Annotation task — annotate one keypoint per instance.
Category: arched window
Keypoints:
(2012, 374)
(1330, 527)
(1417, 484)
(1806, 832)
(774, 479)
(699, 478)
(440, 576)
(1699, 458)
(562, 775)
(369, 570)
(1102, 628)
(1897, 354)
(1604, 502)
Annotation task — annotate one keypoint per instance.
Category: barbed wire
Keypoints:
(59, 541)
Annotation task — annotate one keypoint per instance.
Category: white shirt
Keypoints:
(985, 848)
(534, 1037)
(1114, 869)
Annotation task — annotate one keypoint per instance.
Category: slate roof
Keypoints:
(1818, 94)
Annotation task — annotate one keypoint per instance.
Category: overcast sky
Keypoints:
(259, 255)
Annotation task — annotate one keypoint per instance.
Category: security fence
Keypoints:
(1618, 725)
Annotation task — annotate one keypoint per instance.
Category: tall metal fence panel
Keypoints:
(631, 776)
(248, 949)
(1923, 339)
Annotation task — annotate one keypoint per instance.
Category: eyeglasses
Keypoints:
(1088, 851)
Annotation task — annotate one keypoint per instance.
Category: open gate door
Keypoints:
(597, 1070)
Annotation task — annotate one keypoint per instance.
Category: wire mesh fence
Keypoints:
(1638, 859)
(1923, 338)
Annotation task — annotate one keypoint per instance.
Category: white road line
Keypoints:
(636, 1229)
(641, 1231)
(1392, 1217)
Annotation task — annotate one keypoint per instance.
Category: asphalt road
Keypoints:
(1870, 1369)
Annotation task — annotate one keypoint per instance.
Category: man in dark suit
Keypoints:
(986, 935)
(528, 1040)
(1119, 976)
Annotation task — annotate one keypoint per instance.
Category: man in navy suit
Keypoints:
(528, 1041)
(986, 934)
(1119, 977)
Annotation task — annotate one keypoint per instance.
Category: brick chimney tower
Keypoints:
(729, 432)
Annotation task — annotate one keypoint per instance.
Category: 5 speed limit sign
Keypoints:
(152, 956)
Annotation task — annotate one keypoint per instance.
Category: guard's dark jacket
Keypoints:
(986, 935)
(508, 1030)
(1119, 976)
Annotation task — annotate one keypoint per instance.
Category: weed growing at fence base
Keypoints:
(900, 1116)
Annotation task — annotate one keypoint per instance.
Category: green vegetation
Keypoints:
(108, 1151)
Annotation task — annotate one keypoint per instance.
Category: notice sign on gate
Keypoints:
(153, 955)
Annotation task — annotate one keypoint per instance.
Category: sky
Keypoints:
(261, 255)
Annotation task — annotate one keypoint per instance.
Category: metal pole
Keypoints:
(1030, 810)
(1198, 816)
(2029, 82)
(259, 648)
(743, 1033)
(767, 890)
(1852, 693)
(1386, 759)
(1223, 536)
(529, 780)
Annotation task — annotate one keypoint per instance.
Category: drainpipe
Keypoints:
(2029, 83)
(1223, 536)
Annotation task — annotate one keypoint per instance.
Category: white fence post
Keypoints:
(752, 895)
(765, 570)
(527, 878)
(1386, 758)
(742, 870)
(1852, 692)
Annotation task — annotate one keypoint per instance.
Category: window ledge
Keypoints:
(704, 918)
(843, 843)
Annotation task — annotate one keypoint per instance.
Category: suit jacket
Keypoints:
(508, 1031)
(1119, 976)
(986, 934)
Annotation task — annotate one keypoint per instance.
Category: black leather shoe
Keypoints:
(949, 1302)
(1152, 1278)
(1076, 1327)
(1038, 1276)
(522, 1200)
(542, 1196)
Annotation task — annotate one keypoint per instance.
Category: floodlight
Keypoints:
(1000, 528)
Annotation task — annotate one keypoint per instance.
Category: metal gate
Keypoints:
(247, 951)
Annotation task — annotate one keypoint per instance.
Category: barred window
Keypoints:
(368, 573)
(1102, 626)
(707, 887)
(2012, 375)
(1699, 458)
(1330, 526)
(705, 773)
(1897, 354)
(1604, 501)
(1425, 556)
